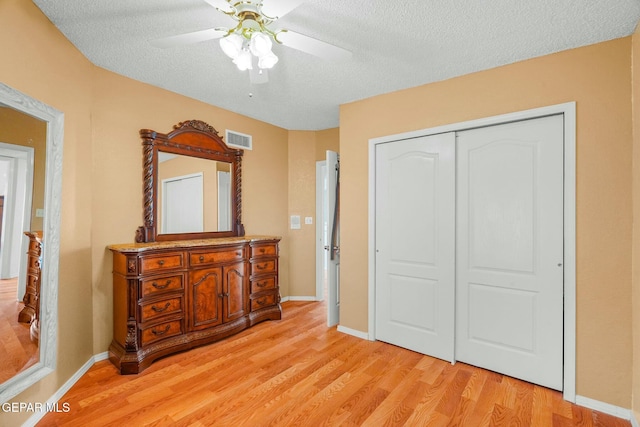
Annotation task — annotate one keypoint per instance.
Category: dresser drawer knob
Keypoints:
(261, 266)
(160, 309)
(261, 284)
(157, 286)
(156, 332)
(201, 258)
(262, 250)
(161, 262)
(261, 301)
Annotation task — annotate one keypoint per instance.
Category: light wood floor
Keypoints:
(298, 372)
(17, 351)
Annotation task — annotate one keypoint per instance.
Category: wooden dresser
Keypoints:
(175, 295)
(31, 311)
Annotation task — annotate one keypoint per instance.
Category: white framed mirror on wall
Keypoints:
(17, 113)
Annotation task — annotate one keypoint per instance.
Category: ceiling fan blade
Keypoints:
(279, 8)
(313, 46)
(222, 5)
(189, 38)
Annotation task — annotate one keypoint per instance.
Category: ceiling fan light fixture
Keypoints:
(231, 45)
(244, 60)
(267, 61)
(260, 44)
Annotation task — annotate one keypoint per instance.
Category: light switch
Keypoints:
(295, 222)
(308, 220)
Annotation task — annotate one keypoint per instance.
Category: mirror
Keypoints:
(183, 181)
(191, 185)
(45, 193)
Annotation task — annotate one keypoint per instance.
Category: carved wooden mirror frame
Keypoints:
(192, 138)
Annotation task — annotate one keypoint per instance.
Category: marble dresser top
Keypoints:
(141, 247)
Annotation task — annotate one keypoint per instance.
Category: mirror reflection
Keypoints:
(194, 194)
(22, 189)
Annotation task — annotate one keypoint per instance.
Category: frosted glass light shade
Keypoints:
(231, 45)
(243, 60)
(260, 44)
(267, 61)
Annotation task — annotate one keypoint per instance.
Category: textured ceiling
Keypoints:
(395, 45)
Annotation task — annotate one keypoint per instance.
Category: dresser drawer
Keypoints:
(264, 250)
(263, 301)
(264, 284)
(156, 263)
(161, 284)
(267, 266)
(161, 331)
(159, 308)
(215, 256)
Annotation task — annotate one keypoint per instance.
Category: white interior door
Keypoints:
(322, 228)
(415, 237)
(332, 243)
(510, 249)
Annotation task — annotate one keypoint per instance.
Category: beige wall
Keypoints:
(302, 202)
(635, 391)
(596, 77)
(21, 129)
(305, 149)
(328, 139)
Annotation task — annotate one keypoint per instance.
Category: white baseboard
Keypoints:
(355, 333)
(607, 408)
(36, 417)
(634, 421)
(298, 298)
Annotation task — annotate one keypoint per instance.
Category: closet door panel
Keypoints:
(510, 249)
(415, 219)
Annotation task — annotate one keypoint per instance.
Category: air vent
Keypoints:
(238, 140)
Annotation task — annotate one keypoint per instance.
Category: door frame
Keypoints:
(568, 110)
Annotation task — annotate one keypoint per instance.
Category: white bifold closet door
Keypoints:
(469, 247)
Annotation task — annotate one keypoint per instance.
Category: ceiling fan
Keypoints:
(250, 41)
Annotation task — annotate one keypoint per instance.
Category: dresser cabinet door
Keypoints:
(205, 291)
(235, 291)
